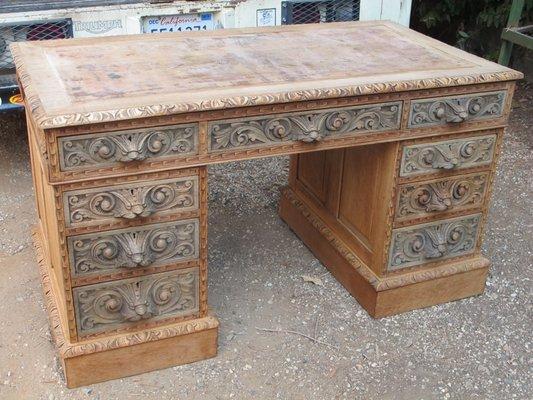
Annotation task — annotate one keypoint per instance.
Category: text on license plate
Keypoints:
(178, 23)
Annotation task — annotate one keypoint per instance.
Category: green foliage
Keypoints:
(472, 25)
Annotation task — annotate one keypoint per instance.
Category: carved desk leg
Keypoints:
(395, 243)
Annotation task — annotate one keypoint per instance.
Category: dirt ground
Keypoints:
(478, 348)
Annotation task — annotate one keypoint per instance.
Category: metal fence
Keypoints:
(45, 30)
(318, 11)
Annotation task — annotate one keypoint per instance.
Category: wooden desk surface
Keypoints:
(83, 81)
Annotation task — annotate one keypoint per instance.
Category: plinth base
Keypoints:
(120, 355)
(381, 296)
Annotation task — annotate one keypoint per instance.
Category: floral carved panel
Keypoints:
(419, 244)
(450, 154)
(457, 193)
(119, 304)
(107, 204)
(444, 110)
(116, 148)
(304, 126)
(150, 245)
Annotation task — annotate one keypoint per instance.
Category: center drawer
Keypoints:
(307, 126)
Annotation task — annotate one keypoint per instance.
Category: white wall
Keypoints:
(393, 10)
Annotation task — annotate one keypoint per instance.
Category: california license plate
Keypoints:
(178, 23)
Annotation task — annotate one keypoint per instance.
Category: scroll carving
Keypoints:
(133, 248)
(458, 153)
(108, 306)
(124, 147)
(305, 127)
(448, 194)
(429, 112)
(431, 242)
(97, 205)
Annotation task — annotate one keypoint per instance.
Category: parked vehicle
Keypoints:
(22, 20)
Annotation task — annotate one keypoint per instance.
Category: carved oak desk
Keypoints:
(394, 138)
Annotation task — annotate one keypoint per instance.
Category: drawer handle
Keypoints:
(136, 202)
(453, 113)
(311, 136)
(450, 155)
(141, 249)
(134, 249)
(130, 147)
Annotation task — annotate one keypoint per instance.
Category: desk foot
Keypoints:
(382, 296)
(116, 356)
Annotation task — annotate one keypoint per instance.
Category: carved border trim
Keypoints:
(257, 111)
(46, 121)
(68, 350)
(391, 282)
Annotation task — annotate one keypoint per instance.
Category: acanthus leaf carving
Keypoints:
(134, 247)
(434, 241)
(429, 112)
(450, 154)
(113, 305)
(127, 146)
(420, 199)
(96, 205)
(306, 127)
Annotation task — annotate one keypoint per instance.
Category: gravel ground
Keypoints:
(478, 348)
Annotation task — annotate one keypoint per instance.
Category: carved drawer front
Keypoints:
(446, 155)
(435, 241)
(109, 204)
(455, 109)
(456, 193)
(121, 304)
(120, 148)
(307, 126)
(104, 253)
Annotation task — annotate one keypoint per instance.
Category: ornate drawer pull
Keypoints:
(458, 153)
(449, 156)
(419, 199)
(133, 248)
(131, 201)
(456, 109)
(454, 113)
(437, 240)
(307, 127)
(112, 305)
(311, 136)
(134, 203)
(127, 146)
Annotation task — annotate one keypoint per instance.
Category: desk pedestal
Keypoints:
(380, 297)
(396, 240)
(121, 355)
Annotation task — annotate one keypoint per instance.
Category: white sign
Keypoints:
(178, 23)
(97, 27)
(266, 17)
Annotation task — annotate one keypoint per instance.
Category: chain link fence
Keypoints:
(9, 33)
(319, 11)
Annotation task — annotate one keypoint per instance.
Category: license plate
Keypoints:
(178, 23)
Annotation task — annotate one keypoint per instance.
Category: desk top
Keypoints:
(84, 81)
